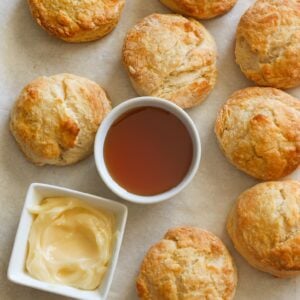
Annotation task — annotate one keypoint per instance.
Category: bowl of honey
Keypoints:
(147, 150)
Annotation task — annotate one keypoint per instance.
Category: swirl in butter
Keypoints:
(70, 243)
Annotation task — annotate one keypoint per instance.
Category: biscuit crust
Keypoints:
(188, 263)
(268, 43)
(171, 57)
(264, 226)
(55, 118)
(258, 130)
(77, 21)
(200, 9)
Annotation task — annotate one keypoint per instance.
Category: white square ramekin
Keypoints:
(16, 270)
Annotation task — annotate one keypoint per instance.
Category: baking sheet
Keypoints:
(26, 52)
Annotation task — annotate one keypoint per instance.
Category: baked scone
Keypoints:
(200, 9)
(55, 118)
(171, 57)
(264, 226)
(268, 43)
(258, 129)
(188, 263)
(77, 21)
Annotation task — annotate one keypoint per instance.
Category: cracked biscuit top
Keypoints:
(171, 57)
(264, 226)
(188, 263)
(55, 118)
(259, 131)
(77, 21)
(200, 9)
(268, 43)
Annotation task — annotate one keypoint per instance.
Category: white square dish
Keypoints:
(16, 270)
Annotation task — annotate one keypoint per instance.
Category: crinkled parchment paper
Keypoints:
(26, 52)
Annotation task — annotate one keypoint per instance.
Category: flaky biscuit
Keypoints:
(55, 118)
(171, 57)
(77, 21)
(258, 130)
(188, 263)
(268, 43)
(200, 9)
(264, 226)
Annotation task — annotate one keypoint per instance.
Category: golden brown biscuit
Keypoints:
(200, 9)
(55, 118)
(77, 21)
(264, 226)
(268, 43)
(188, 263)
(259, 131)
(171, 57)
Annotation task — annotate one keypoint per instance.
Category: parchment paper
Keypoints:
(26, 52)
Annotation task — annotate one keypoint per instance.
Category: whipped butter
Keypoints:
(70, 243)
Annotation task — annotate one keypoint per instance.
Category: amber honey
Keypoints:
(148, 151)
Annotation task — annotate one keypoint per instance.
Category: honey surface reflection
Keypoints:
(148, 151)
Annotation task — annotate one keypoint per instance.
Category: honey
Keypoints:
(148, 151)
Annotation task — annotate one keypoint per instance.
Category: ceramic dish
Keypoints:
(109, 121)
(16, 269)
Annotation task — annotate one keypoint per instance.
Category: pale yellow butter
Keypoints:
(70, 243)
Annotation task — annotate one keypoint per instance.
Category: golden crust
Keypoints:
(188, 263)
(55, 118)
(264, 226)
(258, 129)
(268, 43)
(200, 9)
(171, 57)
(77, 21)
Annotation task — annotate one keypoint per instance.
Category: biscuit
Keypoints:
(264, 226)
(188, 263)
(268, 43)
(258, 130)
(200, 9)
(55, 118)
(171, 57)
(77, 21)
